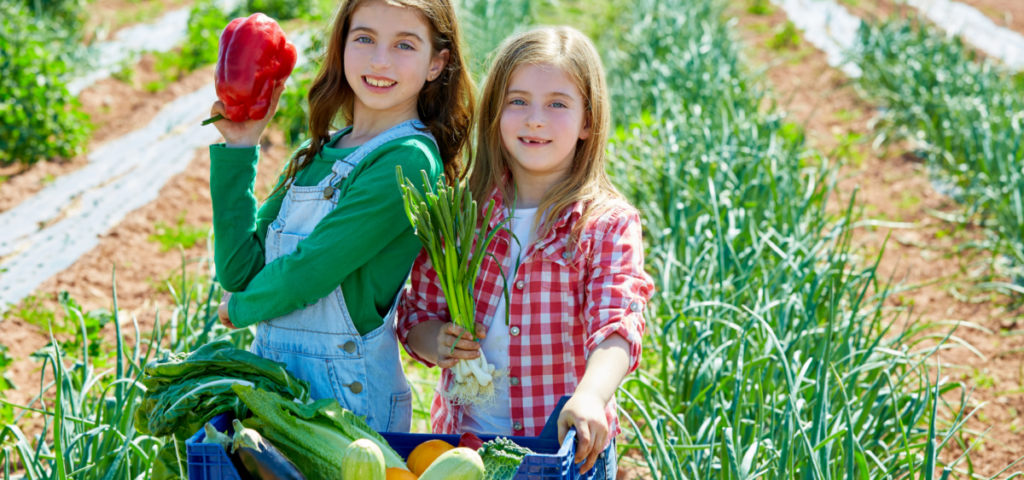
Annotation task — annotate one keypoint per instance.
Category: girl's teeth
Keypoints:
(379, 83)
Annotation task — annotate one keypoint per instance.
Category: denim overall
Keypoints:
(320, 343)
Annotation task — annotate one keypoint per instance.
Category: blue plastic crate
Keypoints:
(552, 461)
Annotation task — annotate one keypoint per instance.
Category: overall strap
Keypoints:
(404, 129)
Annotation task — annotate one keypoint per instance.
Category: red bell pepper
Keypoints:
(254, 59)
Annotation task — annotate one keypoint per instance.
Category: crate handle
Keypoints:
(550, 431)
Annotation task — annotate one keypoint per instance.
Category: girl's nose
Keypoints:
(535, 118)
(380, 58)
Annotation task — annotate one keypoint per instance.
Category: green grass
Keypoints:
(760, 7)
(962, 114)
(185, 236)
(786, 37)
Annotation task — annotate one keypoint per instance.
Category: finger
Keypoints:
(481, 330)
(218, 109)
(563, 426)
(467, 345)
(583, 441)
(597, 445)
(461, 354)
(275, 98)
(447, 362)
(453, 329)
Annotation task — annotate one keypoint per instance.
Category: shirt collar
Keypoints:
(568, 216)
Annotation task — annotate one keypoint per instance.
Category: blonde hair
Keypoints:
(571, 51)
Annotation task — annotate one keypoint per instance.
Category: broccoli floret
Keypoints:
(501, 458)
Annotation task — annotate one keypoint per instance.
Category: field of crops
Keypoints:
(839, 262)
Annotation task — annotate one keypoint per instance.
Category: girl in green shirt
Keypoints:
(318, 266)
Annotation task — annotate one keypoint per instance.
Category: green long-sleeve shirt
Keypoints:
(365, 244)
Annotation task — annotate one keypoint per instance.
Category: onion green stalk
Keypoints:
(445, 220)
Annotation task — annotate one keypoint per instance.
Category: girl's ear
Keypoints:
(437, 65)
(585, 131)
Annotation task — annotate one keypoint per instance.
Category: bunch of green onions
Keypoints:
(445, 220)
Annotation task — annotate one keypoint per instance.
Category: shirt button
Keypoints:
(566, 255)
(356, 387)
(514, 331)
(635, 307)
(517, 426)
(520, 284)
(514, 381)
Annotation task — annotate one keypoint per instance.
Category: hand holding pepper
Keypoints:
(246, 133)
(253, 63)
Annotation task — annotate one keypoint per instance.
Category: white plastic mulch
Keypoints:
(833, 29)
(828, 26)
(976, 28)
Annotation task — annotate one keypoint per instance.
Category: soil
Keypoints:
(891, 185)
(114, 108)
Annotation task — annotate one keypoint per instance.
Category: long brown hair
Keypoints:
(588, 182)
(445, 104)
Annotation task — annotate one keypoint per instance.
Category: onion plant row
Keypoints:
(964, 117)
(768, 352)
(88, 415)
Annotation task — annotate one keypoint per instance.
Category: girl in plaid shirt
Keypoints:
(576, 299)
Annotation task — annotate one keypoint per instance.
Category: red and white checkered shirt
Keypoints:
(563, 304)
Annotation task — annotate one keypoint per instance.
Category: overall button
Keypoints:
(520, 284)
(514, 381)
(517, 426)
(328, 191)
(356, 387)
(514, 331)
(349, 346)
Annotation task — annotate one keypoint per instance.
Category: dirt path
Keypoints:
(893, 186)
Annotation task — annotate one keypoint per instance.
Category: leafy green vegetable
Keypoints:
(501, 458)
(39, 118)
(313, 435)
(186, 391)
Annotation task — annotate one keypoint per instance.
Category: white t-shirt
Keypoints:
(496, 419)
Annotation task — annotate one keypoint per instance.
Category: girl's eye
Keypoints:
(361, 40)
(405, 46)
(518, 101)
(559, 105)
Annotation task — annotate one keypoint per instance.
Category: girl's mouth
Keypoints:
(378, 85)
(533, 142)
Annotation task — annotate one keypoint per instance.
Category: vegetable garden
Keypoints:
(776, 347)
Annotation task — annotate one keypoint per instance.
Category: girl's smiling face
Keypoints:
(542, 120)
(388, 57)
